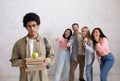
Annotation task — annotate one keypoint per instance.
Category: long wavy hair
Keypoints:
(102, 35)
(88, 32)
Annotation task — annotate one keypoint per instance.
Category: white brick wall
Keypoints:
(56, 16)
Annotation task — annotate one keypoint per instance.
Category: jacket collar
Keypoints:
(37, 39)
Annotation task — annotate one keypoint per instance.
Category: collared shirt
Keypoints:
(74, 42)
(21, 51)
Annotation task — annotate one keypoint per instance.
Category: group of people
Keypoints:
(81, 48)
(77, 48)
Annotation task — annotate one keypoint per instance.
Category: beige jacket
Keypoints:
(21, 51)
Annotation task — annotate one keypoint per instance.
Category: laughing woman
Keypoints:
(64, 55)
(104, 55)
(89, 53)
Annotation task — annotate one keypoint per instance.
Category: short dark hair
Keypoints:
(31, 17)
(75, 24)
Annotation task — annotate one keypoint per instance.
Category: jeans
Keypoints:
(64, 61)
(105, 66)
(89, 71)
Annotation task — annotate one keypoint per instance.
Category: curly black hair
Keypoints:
(31, 17)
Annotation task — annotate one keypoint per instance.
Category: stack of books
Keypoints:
(35, 64)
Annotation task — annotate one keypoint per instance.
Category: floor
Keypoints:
(115, 77)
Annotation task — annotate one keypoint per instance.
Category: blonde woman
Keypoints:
(89, 53)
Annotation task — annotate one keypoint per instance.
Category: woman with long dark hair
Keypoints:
(64, 55)
(104, 55)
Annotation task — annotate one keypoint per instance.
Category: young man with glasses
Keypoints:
(26, 46)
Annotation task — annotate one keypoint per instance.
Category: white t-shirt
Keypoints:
(31, 41)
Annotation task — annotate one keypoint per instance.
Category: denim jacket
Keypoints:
(89, 53)
(74, 44)
(21, 51)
